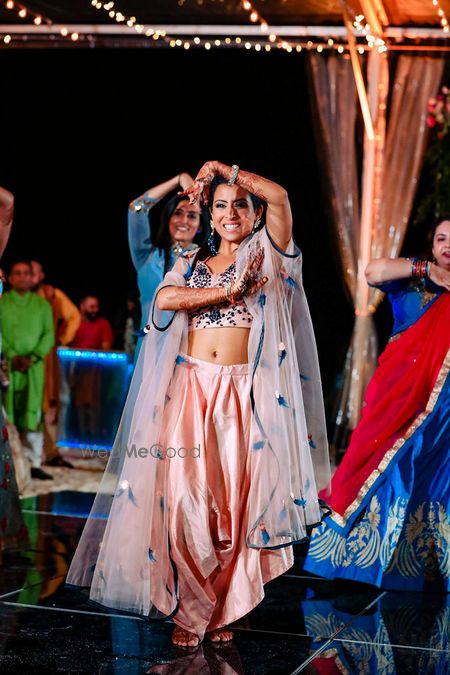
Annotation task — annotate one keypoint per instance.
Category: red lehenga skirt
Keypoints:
(391, 493)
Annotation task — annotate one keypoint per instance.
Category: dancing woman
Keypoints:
(222, 444)
(391, 493)
(154, 249)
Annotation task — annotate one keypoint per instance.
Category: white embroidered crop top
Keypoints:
(216, 316)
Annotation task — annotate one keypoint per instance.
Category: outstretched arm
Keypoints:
(6, 217)
(389, 269)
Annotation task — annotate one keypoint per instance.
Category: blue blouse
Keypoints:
(410, 299)
(147, 258)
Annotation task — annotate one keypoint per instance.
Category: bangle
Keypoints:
(234, 174)
(420, 268)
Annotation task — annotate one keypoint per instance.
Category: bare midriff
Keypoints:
(225, 346)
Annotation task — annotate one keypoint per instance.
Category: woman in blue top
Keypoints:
(390, 525)
(154, 250)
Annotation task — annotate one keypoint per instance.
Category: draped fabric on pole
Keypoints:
(336, 104)
(416, 79)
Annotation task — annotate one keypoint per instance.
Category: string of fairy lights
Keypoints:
(268, 40)
(364, 28)
(131, 21)
(442, 17)
(272, 41)
(25, 14)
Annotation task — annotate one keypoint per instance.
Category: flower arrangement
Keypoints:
(439, 113)
(434, 189)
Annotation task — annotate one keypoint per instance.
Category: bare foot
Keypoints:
(220, 635)
(183, 638)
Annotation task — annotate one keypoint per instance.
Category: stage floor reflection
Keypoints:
(304, 624)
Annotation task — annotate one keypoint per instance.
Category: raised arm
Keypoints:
(387, 269)
(139, 238)
(6, 217)
(279, 215)
(391, 269)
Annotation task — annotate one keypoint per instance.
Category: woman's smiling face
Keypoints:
(233, 212)
(184, 221)
(441, 244)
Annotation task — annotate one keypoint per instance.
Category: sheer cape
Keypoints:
(126, 537)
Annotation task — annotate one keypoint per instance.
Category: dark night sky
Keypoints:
(85, 131)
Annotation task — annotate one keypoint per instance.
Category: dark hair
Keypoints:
(89, 295)
(430, 236)
(442, 218)
(21, 261)
(161, 238)
(204, 251)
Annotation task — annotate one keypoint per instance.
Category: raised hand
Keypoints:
(249, 281)
(200, 186)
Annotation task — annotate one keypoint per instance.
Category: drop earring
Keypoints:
(256, 224)
(211, 242)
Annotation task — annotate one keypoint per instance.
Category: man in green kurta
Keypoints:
(28, 336)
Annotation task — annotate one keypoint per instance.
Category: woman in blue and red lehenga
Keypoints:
(390, 525)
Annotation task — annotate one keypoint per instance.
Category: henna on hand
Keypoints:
(202, 297)
(263, 188)
(193, 298)
(249, 281)
(199, 190)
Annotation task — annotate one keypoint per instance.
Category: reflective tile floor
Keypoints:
(304, 624)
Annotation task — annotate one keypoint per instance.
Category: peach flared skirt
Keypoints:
(205, 436)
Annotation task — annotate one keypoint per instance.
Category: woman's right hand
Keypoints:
(439, 275)
(249, 281)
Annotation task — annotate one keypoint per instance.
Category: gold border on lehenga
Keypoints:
(390, 454)
(334, 654)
